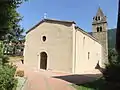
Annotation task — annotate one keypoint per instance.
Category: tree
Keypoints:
(112, 56)
(118, 31)
(112, 70)
(9, 18)
(10, 30)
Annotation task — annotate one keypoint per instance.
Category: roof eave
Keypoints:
(35, 26)
(86, 33)
(45, 20)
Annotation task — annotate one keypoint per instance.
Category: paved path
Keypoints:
(38, 80)
(47, 80)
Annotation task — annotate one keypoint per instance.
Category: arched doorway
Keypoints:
(43, 60)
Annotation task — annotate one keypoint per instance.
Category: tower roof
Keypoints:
(100, 17)
(100, 12)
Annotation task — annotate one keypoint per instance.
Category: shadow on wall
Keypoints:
(79, 79)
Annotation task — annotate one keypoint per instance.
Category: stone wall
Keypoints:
(102, 37)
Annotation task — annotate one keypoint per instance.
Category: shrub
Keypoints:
(112, 56)
(20, 73)
(112, 73)
(112, 70)
(7, 80)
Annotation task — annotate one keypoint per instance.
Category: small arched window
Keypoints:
(83, 41)
(83, 38)
(97, 29)
(98, 17)
(44, 38)
(88, 55)
(100, 29)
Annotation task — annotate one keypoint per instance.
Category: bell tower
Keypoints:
(99, 26)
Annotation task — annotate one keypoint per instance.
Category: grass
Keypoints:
(99, 84)
(21, 82)
(15, 58)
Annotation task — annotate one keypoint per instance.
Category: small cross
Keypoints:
(45, 15)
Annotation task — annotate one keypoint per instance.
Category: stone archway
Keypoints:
(43, 60)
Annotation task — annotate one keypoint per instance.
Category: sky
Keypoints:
(80, 11)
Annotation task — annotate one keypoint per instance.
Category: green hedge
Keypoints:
(7, 80)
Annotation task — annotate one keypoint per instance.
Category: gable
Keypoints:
(67, 23)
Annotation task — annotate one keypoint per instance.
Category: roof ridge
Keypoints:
(60, 20)
(45, 20)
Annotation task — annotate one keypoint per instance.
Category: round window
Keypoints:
(44, 38)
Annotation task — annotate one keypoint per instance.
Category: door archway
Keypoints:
(43, 60)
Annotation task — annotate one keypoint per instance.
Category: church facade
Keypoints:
(62, 46)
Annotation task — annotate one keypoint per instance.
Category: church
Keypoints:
(59, 45)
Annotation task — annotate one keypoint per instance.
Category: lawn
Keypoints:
(15, 58)
(99, 84)
(21, 83)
